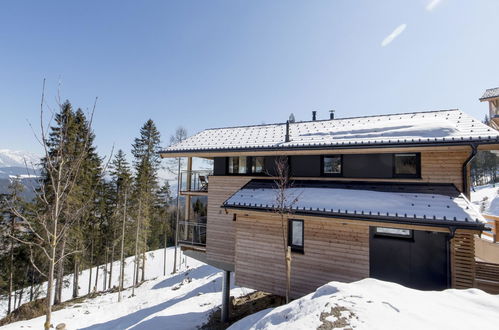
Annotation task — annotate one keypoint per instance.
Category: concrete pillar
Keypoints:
(225, 296)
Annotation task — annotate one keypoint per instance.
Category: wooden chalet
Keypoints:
(378, 196)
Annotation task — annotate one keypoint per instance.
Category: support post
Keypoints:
(225, 296)
(187, 213)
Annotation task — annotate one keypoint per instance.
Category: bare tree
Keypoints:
(284, 205)
(61, 171)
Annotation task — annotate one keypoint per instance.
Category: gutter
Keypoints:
(474, 150)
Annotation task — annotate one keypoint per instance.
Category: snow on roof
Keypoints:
(414, 203)
(490, 93)
(445, 126)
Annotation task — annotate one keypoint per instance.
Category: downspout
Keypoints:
(465, 168)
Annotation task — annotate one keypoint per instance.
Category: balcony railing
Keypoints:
(195, 181)
(193, 232)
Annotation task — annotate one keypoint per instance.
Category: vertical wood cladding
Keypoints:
(332, 251)
(220, 229)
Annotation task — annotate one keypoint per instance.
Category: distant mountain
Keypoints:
(21, 164)
(13, 158)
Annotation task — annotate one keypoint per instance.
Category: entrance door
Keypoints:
(416, 259)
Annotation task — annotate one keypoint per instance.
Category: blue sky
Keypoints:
(203, 64)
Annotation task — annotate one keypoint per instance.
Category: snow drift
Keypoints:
(374, 304)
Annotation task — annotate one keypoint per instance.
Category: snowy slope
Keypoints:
(181, 301)
(374, 304)
(486, 198)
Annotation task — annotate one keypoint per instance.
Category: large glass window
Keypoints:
(332, 165)
(406, 165)
(258, 165)
(295, 235)
(237, 165)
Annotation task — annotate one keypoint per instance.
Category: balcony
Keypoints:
(192, 233)
(194, 182)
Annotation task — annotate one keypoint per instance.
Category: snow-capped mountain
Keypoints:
(14, 158)
(21, 164)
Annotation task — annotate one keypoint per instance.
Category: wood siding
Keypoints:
(220, 229)
(333, 251)
(463, 260)
(444, 167)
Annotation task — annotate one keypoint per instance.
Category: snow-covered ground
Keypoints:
(180, 301)
(486, 198)
(373, 304)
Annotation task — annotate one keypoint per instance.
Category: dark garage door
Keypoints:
(416, 259)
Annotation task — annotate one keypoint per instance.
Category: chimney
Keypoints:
(314, 115)
(286, 139)
(331, 114)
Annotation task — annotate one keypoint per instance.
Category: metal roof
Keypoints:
(490, 94)
(446, 127)
(409, 203)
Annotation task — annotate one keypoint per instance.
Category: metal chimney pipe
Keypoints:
(331, 114)
(314, 115)
(286, 139)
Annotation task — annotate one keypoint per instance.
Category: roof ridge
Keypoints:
(338, 119)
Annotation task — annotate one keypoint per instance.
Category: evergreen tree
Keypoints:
(145, 151)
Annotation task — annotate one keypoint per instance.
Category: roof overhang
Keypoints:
(433, 205)
(310, 150)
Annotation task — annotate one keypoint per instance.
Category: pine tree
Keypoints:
(121, 180)
(145, 151)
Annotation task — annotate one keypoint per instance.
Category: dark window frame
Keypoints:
(227, 166)
(407, 176)
(409, 237)
(249, 166)
(296, 248)
(332, 174)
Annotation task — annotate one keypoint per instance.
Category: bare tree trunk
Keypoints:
(166, 243)
(136, 272)
(96, 277)
(60, 274)
(144, 257)
(122, 257)
(76, 275)
(104, 275)
(111, 267)
(11, 266)
(50, 283)
(32, 284)
(91, 266)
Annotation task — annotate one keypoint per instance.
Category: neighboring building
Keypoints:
(378, 196)
(491, 95)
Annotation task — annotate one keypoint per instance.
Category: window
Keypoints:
(393, 232)
(258, 165)
(295, 235)
(331, 165)
(237, 165)
(406, 165)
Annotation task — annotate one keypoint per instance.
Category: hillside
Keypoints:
(486, 198)
(181, 301)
